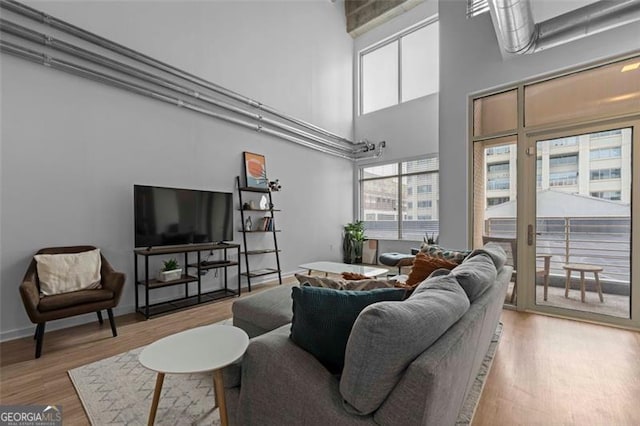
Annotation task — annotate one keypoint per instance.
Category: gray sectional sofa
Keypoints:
(277, 383)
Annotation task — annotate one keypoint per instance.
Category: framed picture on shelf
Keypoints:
(255, 170)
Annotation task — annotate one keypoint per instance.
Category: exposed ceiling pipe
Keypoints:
(58, 24)
(588, 20)
(515, 24)
(68, 48)
(520, 35)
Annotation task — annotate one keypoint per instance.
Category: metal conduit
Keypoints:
(61, 25)
(79, 70)
(519, 33)
(52, 42)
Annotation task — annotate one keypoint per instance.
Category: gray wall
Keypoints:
(71, 149)
(411, 128)
(470, 61)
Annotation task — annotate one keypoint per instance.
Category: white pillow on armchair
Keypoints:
(64, 273)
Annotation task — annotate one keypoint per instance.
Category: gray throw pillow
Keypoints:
(475, 275)
(341, 284)
(388, 336)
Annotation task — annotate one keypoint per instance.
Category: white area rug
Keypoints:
(471, 403)
(118, 391)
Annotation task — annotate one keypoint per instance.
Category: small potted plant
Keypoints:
(352, 242)
(170, 271)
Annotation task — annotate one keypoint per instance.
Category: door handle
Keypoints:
(530, 235)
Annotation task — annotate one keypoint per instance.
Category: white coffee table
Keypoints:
(202, 349)
(338, 268)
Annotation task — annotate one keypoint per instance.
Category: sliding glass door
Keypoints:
(581, 205)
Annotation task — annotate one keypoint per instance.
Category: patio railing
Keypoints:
(597, 240)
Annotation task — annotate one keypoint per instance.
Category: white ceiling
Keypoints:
(546, 9)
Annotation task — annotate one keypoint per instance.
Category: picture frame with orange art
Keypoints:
(255, 171)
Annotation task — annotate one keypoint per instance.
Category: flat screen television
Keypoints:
(173, 216)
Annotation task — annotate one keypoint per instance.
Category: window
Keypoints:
(607, 195)
(608, 133)
(563, 160)
(494, 201)
(563, 179)
(498, 184)
(399, 200)
(602, 153)
(498, 150)
(605, 174)
(402, 68)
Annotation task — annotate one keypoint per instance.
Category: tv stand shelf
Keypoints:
(150, 309)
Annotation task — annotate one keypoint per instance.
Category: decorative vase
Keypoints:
(248, 224)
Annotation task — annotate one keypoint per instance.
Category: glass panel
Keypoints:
(583, 223)
(494, 198)
(380, 78)
(605, 91)
(420, 198)
(380, 171)
(380, 208)
(495, 113)
(420, 62)
(422, 165)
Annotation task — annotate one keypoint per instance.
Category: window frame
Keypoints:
(399, 175)
(395, 38)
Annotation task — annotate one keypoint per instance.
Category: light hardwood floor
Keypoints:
(547, 371)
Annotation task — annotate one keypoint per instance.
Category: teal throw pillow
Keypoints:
(323, 318)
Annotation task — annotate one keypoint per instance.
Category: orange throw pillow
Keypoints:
(352, 276)
(423, 266)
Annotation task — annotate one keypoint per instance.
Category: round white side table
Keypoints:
(202, 349)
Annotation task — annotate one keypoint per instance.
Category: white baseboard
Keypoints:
(117, 311)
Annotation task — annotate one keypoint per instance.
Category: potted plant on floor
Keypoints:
(170, 271)
(352, 242)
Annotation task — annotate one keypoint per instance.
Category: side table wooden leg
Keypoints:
(546, 286)
(567, 283)
(156, 398)
(582, 286)
(599, 287)
(220, 399)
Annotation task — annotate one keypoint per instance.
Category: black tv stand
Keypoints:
(148, 309)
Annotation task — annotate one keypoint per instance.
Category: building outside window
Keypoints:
(408, 199)
(401, 68)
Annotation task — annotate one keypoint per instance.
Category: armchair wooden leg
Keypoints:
(112, 322)
(35, 333)
(39, 339)
(100, 317)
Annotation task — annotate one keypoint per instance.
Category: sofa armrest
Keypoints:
(112, 280)
(283, 384)
(30, 293)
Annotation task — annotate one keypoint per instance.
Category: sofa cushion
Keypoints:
(387, 337)
(475, 275)
(435, 250)
(265, 311)
(494, 251)
(63, 273)
(340, 284)
(74, 298)
(423, 266)
(323, 318)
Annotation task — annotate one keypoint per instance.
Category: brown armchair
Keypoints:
(42, 308)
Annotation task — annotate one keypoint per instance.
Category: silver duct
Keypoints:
(314, 137)
(520, 35)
